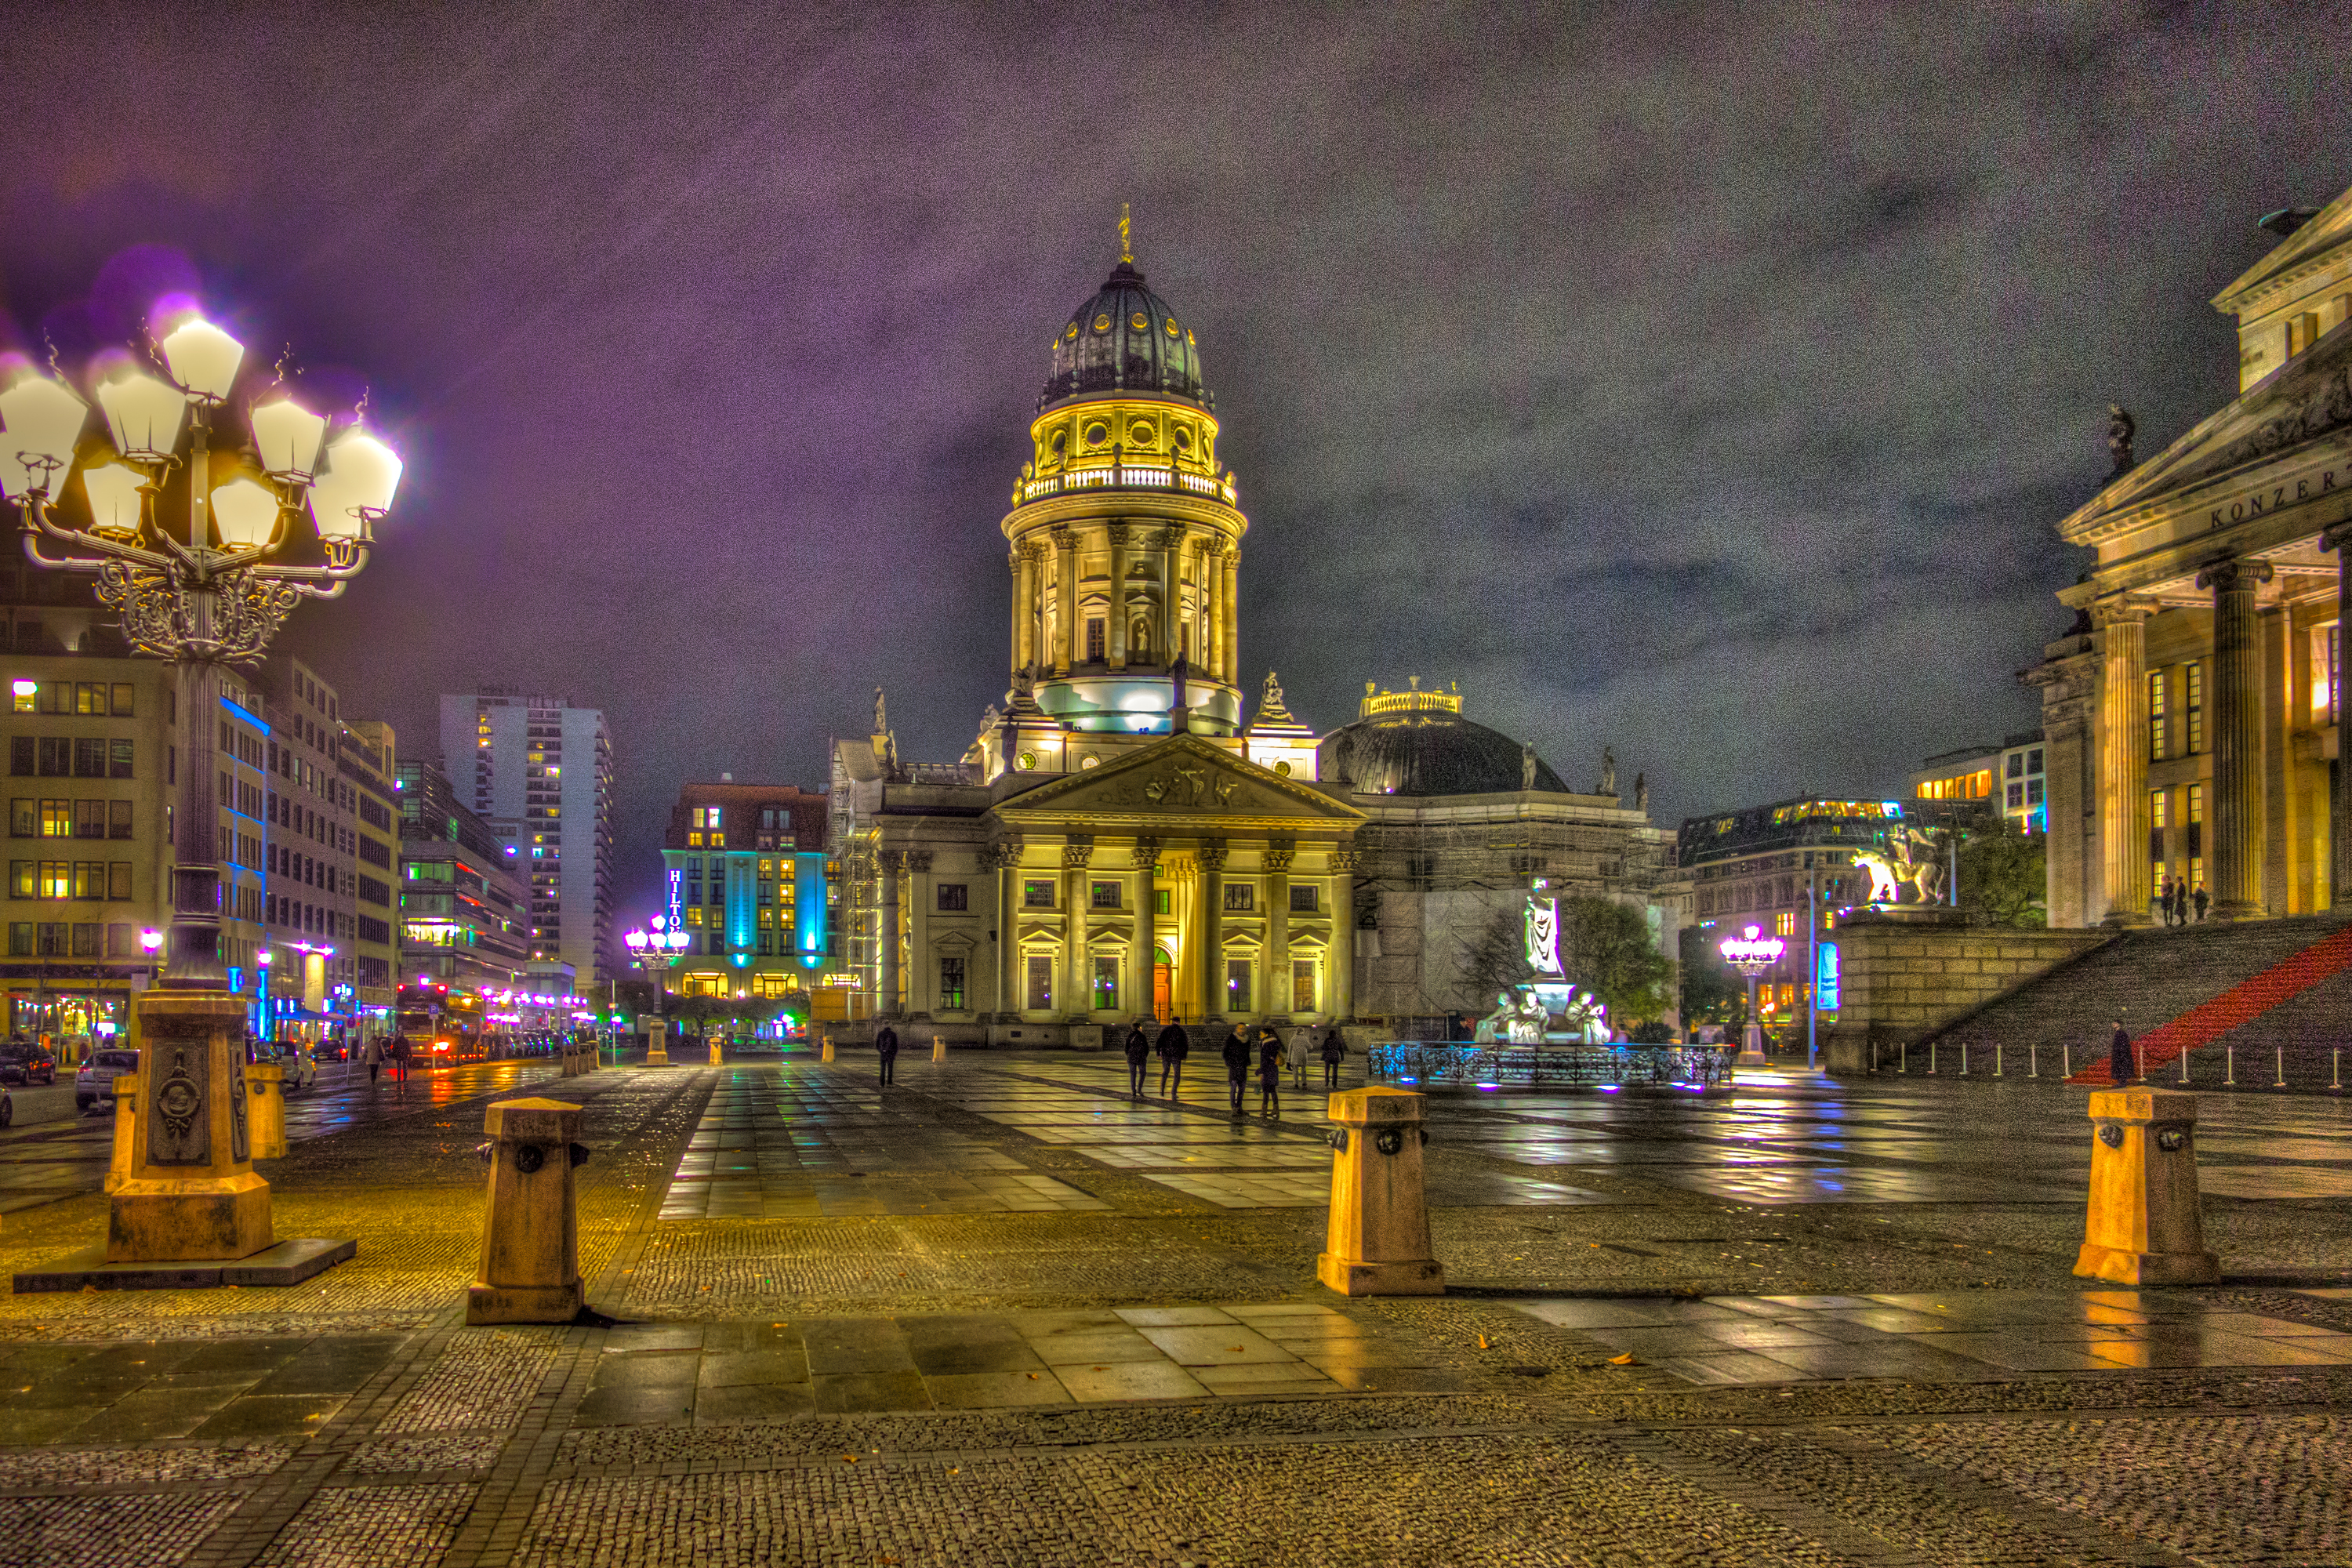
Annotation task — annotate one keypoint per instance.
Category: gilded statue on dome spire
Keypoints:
(1125, 247)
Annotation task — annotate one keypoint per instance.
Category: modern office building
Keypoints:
(2011, 775)
(540, 770)
(745, 875)
(465, 927)
(93, 744)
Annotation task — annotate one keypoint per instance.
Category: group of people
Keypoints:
(381, 1053)
(1242, 1051)
(2177, 898)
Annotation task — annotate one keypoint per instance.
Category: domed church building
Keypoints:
(1128, 832)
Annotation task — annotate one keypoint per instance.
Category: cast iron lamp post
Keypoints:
(1753, 955)
(200, 592)
(662, 946)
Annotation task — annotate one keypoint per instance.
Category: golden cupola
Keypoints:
(1124, 529)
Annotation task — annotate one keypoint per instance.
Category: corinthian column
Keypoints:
(1230, 597)
(1065, 601)
(1345, 862)
(1141, 965)
(1211, 927)
(2338, 538)
(892, 863)
(2236, 852)
(2123, 764)
(1024, 608)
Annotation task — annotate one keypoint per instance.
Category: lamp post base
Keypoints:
(190, 1193)
(186, 1220)
(1751, 1048)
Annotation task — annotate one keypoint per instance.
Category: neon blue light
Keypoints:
(244, 715)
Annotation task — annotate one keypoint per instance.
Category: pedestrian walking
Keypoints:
(1237, 1056)
(1137, 1046)
(1173, 1046)
(2202, 900)
(1334, 1052)
(2121, 1069)
(371, 1053)
(886, 1046)
(1269, 1074)
(1300, 1040)
(2163, 900)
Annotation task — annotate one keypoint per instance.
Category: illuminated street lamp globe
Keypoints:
(1753, 955)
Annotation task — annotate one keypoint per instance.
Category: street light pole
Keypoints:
(210, 599)
(1753, 955)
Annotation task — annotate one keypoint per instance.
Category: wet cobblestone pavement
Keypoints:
(1001, 1313)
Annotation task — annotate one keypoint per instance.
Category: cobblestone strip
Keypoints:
(269, 1506)
(493, 1528)
(1969, 1492)
(1755, 1492)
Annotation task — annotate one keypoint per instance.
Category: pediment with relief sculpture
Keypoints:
(1178, 787)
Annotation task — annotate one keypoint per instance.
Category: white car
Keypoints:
(94, 1080)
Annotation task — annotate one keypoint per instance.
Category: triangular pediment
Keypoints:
(2306, 401)
(1181, 785)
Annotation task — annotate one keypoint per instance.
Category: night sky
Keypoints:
(1704, 381)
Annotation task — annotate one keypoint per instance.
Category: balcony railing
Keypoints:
(1129, 477)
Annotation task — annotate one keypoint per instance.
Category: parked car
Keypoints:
(22, 1061)
(95, 1079)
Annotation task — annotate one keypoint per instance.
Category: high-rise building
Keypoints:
(743, 874)
(540, 770)
(463, 930)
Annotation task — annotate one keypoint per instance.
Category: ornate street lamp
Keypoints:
(1753, 955)
(664, 945)
(201, 593)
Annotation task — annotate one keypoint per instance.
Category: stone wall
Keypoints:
(1902, 981)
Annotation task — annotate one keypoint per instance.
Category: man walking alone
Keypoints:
(886, 1046)
(1335, 1051)
(1173, 1046)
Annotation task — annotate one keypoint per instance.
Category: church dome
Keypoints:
(1126, 339)
(1427, 752)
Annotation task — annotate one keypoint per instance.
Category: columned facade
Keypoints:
(2192, 714)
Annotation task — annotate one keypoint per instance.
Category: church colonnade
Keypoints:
(1068, 576)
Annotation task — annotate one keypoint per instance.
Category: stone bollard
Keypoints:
(828, 1049)
(2143, 1228)
(657, 1046)
(265, 1100)
(938, 1047)
(530, 1239)
(1378, 1242)
(716, 1060)
(126, 1116)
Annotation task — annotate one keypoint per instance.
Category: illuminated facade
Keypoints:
(2011, 775)
(1125, 835)
(744, 874)
(463, 908)
(2191, 712)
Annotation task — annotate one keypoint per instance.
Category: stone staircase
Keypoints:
(2262, 987)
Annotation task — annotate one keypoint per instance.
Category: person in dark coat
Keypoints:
(2121, 1069)
(1238, 1056)
(1334, 1052)
(1137, 1046)
(886, 1046)
(1269, 1073)
(2201, 900)
(1173, 1046)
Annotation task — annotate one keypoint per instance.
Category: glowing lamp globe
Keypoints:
(41, 420)
(143, 416)
(114, 499)
(203, 359)
(288, 435)
(244, 514)
(356, 487)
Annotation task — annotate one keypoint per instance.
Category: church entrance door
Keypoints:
(1162, 1006)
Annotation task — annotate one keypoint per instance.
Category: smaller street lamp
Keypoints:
(1753, 955)
(654, 952)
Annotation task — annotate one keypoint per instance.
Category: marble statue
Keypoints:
(881, 713)
(1526, 766)
(1641, 792)
(1608, 770)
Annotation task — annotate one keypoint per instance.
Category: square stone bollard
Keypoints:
(2143, 1228)
(716, 1059)
(828, 1049)
(656, 1045)
(1377, 1242)
(265, 1107)
(531, 1237)
(192, 1195)
(938, 1047)
(126, 1124)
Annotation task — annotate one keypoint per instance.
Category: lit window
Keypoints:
(2156, 736)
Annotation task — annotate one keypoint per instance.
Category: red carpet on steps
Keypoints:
(2242, 1003)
